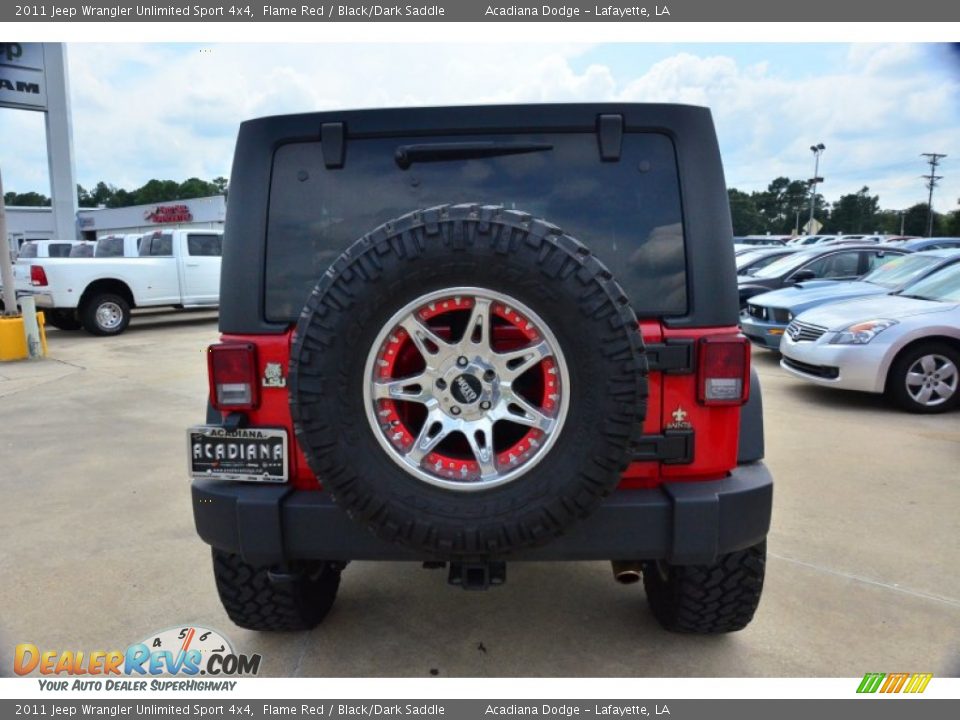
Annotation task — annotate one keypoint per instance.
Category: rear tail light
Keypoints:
(233, 376)
(723, 372)
(37, 275)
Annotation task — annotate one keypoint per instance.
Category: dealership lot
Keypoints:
(101, 551)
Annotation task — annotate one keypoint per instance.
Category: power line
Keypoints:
(932, 179)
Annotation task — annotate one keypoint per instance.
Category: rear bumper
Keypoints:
(682, 522)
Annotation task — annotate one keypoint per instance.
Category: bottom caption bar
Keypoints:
(869, 709)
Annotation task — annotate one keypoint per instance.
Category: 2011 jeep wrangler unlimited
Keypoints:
(468, 335)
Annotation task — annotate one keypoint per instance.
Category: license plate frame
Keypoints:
(262, 467)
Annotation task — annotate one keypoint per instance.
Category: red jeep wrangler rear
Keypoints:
(479, 334)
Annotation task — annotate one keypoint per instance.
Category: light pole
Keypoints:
(817, 152)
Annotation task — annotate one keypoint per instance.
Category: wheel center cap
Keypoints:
(466, 389)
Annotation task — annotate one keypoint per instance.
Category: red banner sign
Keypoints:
(168, 214)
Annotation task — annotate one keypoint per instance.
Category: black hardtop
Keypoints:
(711, 286)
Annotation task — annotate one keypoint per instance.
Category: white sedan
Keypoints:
(906, 344)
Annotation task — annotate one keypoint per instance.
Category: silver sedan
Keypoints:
(906, 344)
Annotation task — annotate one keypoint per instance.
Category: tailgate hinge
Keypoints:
(674, 357)
(333, 143)
(674, 447)
(610, 136)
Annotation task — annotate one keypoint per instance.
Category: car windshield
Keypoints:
(28, 250)
(942, 286)
(900, 270)
(784, 265)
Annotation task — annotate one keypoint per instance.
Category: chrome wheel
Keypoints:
(932, 380)
(109, 315)
(466, 388)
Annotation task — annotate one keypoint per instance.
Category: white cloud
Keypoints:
(169, 111)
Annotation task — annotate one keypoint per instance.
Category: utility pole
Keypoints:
(933, 159)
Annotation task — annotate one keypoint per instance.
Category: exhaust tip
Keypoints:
(627, 573)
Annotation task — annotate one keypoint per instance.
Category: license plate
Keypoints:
(251, 454)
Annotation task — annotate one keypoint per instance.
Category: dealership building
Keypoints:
(36, 223)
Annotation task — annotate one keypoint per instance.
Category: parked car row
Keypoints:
(895, 331)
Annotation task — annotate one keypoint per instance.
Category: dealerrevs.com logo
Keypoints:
(180, 651)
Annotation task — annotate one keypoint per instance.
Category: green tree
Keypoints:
(194, 188)
(221, 184)
(855, 213)
(27, 199)
(121, 198)
(156, 191)
(951, 224)
(102, 194)
(746, 218)
(915, 221)
(888, 222)
(83, 197)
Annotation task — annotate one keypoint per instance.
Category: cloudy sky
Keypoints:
(171, 110)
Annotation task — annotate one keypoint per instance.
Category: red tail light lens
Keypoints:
(723, 373)
(37, 275)
(233, 376)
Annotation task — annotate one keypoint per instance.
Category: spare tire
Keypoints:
(467, 381)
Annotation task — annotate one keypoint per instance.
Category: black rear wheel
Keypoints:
(707, 599)
(258, 597)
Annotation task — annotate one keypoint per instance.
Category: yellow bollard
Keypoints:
(13, 341)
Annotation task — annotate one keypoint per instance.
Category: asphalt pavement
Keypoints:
(99, 548)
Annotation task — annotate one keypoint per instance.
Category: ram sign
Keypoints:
(22, 78)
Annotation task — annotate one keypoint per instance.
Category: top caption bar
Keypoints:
(481, 11)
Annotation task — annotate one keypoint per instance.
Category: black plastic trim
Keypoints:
(674, 357)
(751, 447)
(674, 447)
(610, 137)
(711, 292)
(333, 143)
(406, 155)
(683, 522)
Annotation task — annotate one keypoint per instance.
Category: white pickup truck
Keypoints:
(176, 268)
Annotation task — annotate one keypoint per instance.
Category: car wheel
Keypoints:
(926, 378)
(105, 314)
(468, 381)
(258, 598)
(707, 599)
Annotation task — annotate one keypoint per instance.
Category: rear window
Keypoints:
(628, 212)
(81, 251)
(156, 245)
(28, 250)
(59, 249)
(109, 247)
(205, 245)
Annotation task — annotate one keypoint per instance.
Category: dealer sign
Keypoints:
(23, 82)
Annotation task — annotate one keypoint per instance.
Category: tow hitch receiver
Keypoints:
(477, 576)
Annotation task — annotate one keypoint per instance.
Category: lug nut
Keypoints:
(485, 405)
(441, 383)
(489, 376)
(462, 361)
(455, 410)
